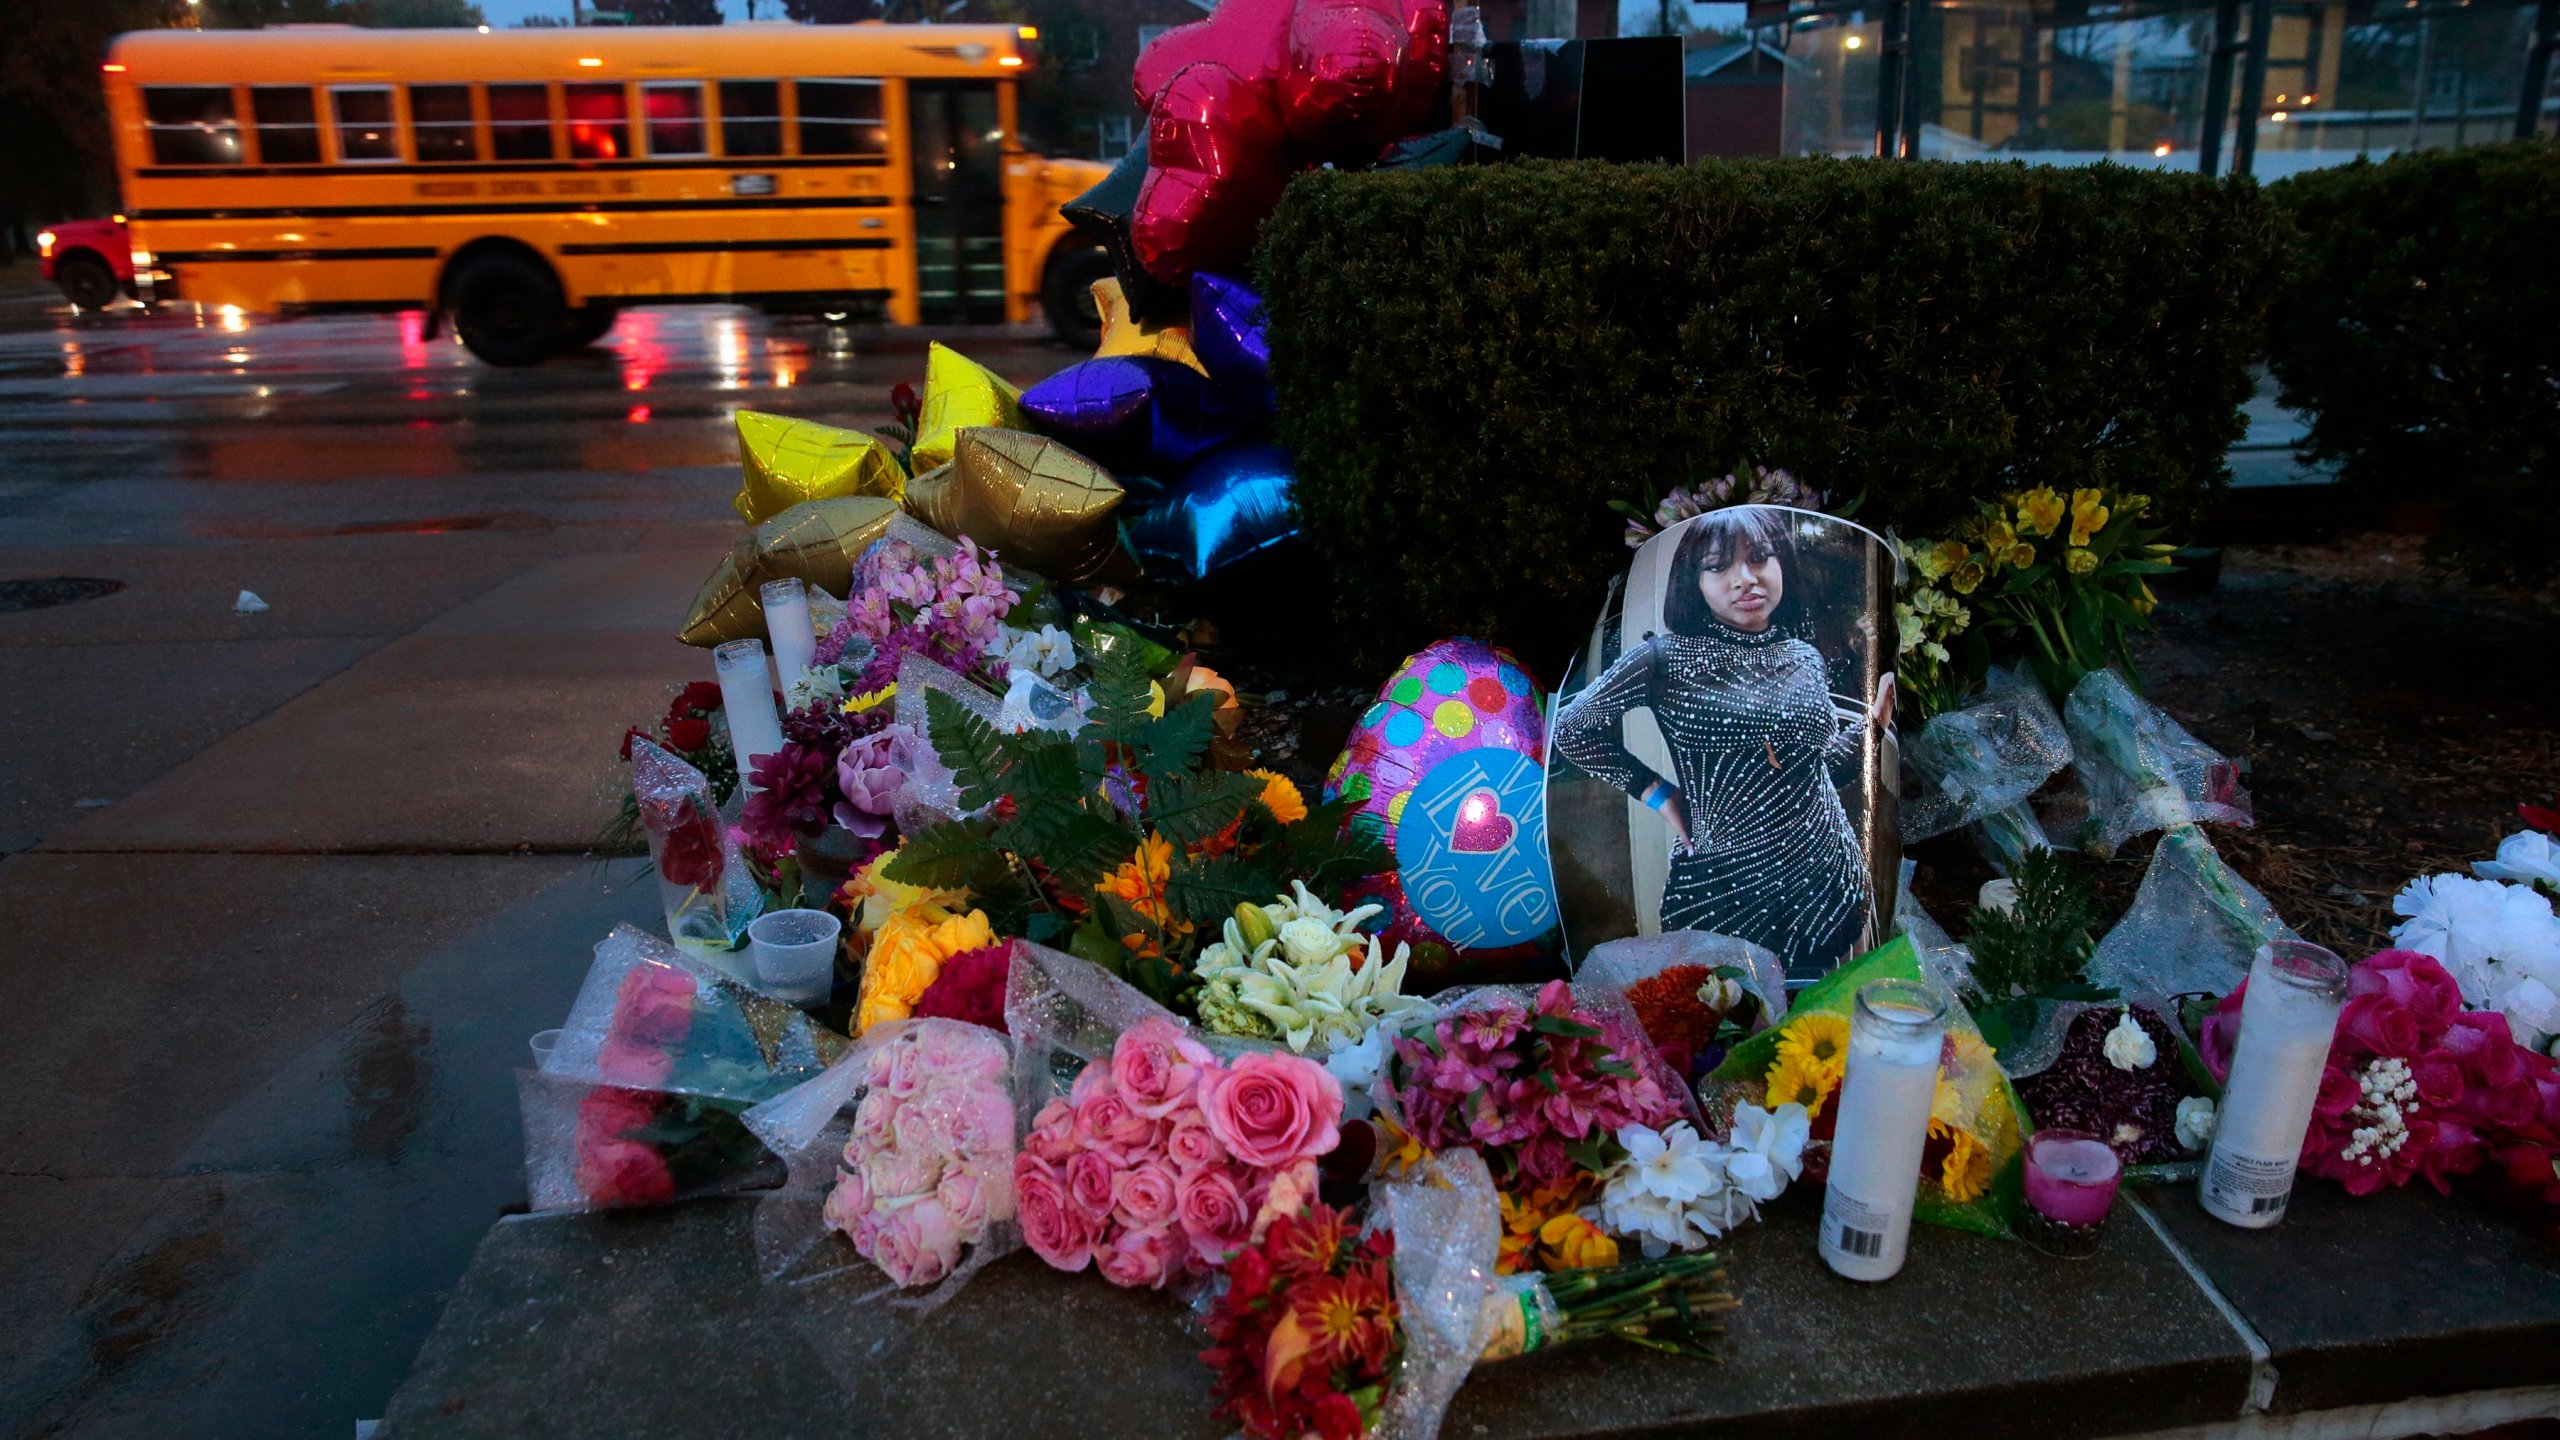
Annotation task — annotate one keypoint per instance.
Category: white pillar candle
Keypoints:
(746, 697)
(786, 623)
(1894, 1038)
(2287, 1021)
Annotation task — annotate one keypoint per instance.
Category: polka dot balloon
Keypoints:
(1453, 699)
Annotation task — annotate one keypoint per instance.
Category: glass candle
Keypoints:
(2071, 1176)
(746, 697)
(787, 625)
(2286, 1023)
(1894, 1037)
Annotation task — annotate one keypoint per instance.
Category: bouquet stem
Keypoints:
(1674, 1305)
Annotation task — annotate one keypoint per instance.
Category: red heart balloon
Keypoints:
(1237, 102)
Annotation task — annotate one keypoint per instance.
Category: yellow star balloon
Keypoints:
(816, 541)
(788, 462)
(1123, 335)
(958, 393)
(1030, 499)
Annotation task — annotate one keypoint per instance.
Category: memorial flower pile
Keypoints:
(949, 609)
(928, 1169)
(2417, 1086)
(2495, 930)
(1298, 971)
(1128, 844)
(1164, 1162)
(1674, 1191)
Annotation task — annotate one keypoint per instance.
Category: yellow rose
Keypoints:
(2079, 561)
(2039, 511)
(906, 958)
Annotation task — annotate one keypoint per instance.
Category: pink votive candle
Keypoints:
(2071, 1176)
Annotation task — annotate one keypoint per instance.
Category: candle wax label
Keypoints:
(2245, 1185)
(1853, 1228)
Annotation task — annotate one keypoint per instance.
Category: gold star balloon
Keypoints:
(1030, 499)
(1123, 335)
(958, 393)
(816, 542)
(788, 462)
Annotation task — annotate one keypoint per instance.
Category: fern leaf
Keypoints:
(969, 748)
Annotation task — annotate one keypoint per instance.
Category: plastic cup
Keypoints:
(795, 953)
(544, 1042)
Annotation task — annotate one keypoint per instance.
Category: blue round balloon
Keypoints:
(1471, 849)
(1234, 503)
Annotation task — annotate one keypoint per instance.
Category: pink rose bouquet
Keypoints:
(1163, 1163)
(927, 1174)
(1537, 1089)
(2418, 1086)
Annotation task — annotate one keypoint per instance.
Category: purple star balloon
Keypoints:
(1230, 336)
(1135, 413)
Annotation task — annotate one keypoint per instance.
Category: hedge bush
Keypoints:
(2420, 325)
(1473, 362)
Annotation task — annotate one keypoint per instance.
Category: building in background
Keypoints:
(1736, 95)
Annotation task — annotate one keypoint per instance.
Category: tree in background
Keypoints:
(49, 57)
(673, 12)
(378, 14)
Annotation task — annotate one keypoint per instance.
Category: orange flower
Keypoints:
(1280, 796)
(1140, 880)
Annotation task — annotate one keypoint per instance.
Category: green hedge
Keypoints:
(1473, 362)
(2420, 326)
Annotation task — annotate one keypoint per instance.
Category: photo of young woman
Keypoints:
(1759, 748)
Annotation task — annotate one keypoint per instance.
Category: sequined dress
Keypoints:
(1772, 858)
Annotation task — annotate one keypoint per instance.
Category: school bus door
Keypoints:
(957, 141)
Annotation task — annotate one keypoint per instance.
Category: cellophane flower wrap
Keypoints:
(639, 1103)
(2140, 770)
(1683, 985)
(708, 893)
(1541, 1081)
(1145, 1155)
(1978, 765)
(1970, 1176)
(1331, 1329)
(2193, 927)
(900, 1155)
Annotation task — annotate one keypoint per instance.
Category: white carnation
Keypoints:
(2129, 1046)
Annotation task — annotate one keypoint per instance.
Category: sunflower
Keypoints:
(1280, 796)
(1966, 1172)
(1790, 1081)
(1819, 1044)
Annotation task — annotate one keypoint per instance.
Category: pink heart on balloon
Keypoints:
(1482, 828)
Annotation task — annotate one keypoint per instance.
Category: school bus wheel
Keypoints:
(1066, 291)
(506, 304)
(586, 325)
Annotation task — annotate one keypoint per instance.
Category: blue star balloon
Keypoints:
(1233, 503)
(1231, 337)
(1135, 413)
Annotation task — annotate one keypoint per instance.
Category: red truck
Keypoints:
(90, 261)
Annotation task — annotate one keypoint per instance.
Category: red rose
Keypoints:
(624, 1172)
(688, 734)
(634, 733)
(701, 695)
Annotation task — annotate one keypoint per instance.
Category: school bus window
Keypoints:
(365, 135)
(440, 125)
(674, 112)
(750, 117)
(520, 122)
(841, 117)
(191, 124)
(599, 120)
(288, 128)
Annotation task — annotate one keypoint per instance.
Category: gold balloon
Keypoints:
(816, 542)
(1123, 335)
(790, 461)
(958, 393)
(1030, 499)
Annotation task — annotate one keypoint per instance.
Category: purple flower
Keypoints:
(870, 773)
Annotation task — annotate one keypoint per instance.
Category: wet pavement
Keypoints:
(288, 890)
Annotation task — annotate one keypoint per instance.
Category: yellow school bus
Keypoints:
(527, 183)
